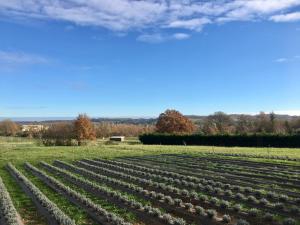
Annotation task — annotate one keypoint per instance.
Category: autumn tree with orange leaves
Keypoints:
(173, 122)
(84, 129)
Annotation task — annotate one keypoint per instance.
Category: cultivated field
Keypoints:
(155, 185)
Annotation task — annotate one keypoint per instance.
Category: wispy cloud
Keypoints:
(20, 58)
(289, 17)
(281, 60)
(126, 15)
(180, 36)
(159, 37)
(192, 24)
(285, 59)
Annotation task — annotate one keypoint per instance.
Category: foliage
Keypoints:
(84, 129)
(173, 122)
(106, 129)
(59, 134)
(9, 128)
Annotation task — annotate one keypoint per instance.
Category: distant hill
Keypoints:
(144, 121)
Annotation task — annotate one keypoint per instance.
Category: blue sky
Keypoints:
(138, 58)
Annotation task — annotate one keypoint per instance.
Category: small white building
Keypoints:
(117, 138)
(34, 128)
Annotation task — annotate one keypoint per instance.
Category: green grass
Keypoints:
(20, 150)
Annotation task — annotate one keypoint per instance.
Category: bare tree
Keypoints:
(222, 122)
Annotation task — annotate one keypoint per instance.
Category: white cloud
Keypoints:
(192, 24)
(126, 15)
(289, 17)
(290, 59)
(159, 38)
(288, 112)
(151, 38)
(281, 60)
(181, 36)
(18, 58)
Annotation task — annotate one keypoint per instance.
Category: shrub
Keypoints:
(294, 209)
(188, 206)
(179, 221)
(278, 206)
(169, 200)
(211, 213)
(289, 221)
(283, 198)
(253, 212)
(200, 211)
(268, 217)
(226, 219)
(203, 198)
(214, 201)
(242, 222)
(237, 207)
(224, 204)
(261, 140)
(264, 202)
(272, 195)
(177, 201)
(251, 199)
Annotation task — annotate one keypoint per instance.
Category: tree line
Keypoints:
(219, 123)
(168, 122)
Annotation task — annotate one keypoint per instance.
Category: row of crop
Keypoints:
(269, 166)
(196, 182)
(176, 205)
(94, 210)
(287, 158)
(192, 196)
(144, 212)
(229, 165)
(49, 209)
(235, 175)
(192, 184)
(8, 213)
(217, 177)
(237, 164)
(240, 171)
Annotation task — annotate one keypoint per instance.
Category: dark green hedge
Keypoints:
(290, 141)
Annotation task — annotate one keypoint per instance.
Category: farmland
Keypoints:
(135, 184)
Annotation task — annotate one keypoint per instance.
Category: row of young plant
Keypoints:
(8, 212)
(185, 194)
(214, 176)
(50, 210)
(273, 164)
(210, 214)
(240, 171)
(238, 164)
(194, 182)
(228, 164)
(287, 158)
(115, 196)
(198, 186)
(233, 175)
(156, 198)
(96, 211)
